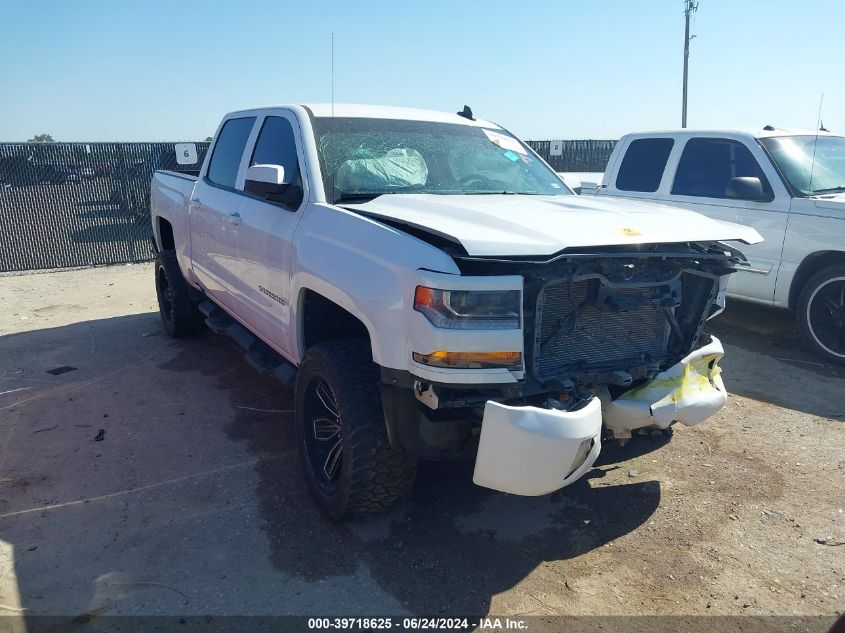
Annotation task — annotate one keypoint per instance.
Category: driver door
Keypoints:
(266, 233)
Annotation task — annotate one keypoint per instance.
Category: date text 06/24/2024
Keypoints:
(418, 623)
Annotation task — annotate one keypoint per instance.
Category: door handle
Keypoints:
(196, 202)
(235, 218)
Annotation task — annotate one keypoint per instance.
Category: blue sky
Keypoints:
(133, 70)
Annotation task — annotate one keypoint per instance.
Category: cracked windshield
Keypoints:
(362, 158)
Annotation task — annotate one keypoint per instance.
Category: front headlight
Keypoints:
(470, 309)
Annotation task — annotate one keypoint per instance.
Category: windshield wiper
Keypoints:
(348, 196)
(366, 196)
(359, 197)
(504, 193)
(816, 192)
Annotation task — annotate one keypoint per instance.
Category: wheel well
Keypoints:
(324, 320)
(165, 233)
(809, 267)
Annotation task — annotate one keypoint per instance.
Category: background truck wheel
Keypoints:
(348, 463)
(179, 313)
(821, 313)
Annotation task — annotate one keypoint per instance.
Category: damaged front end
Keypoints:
(612, 339)
(624, 325)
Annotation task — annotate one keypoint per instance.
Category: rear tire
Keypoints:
(179, 313)
(821, 313)
(348, 463)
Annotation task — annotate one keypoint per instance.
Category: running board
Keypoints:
(263, 358)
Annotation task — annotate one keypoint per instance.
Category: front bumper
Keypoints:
(688, 392)
(532, 451)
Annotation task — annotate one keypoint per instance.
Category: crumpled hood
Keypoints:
(517, 225)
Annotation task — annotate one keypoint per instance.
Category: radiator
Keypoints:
(572, 333)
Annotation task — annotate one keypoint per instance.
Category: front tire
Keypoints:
(821, 313)
(348, 463)
(179, 313)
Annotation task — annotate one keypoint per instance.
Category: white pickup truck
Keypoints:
(789, 185)
(433, 289)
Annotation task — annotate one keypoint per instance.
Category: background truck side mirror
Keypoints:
(746, 188)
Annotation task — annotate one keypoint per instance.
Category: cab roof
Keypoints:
(363, 111)
(766, 132)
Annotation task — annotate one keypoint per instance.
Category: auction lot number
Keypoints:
(405, 624)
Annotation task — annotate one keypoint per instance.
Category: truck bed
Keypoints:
(170, 195)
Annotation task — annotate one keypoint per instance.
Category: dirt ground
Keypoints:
(193, 502)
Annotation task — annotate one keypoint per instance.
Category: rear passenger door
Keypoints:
(704, 170)
(266, 232)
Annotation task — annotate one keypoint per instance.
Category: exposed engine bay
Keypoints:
(614, 316)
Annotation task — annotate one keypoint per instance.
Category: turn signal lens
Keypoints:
(470, 360)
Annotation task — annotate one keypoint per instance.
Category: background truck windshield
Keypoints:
(361, 158)
(795, 155)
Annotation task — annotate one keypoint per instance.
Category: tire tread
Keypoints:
(378, 475)
(187, 319)
(828, 272)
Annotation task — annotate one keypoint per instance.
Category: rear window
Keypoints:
(643, 164)
(228, 150)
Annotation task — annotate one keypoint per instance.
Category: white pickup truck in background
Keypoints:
(432, 289)
(789, 185)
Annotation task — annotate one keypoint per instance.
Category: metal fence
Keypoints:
(83, 204)
(79, 204)
(575, 155)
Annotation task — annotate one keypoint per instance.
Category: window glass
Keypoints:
(813, 165)
(228, 150)
(708, 165)
(363, 158)
(276, 146)
(643, 164)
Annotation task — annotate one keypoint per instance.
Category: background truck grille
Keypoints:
(593, 336)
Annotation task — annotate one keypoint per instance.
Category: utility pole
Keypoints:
(690, 7)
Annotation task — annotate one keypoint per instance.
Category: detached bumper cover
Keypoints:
(688, 392)
(532, 451)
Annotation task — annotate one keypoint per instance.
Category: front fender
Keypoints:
(365, 267)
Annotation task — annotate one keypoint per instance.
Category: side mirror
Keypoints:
(746, 188)
(588, 187)
(264, 180)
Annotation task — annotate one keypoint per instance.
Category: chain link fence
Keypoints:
(84, 204)
(79, 204)
(576, 155)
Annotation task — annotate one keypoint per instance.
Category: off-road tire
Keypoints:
(371, 475)
(179, 313)
(806, 324)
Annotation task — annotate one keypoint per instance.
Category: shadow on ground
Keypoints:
(450, 546)
(767, 359)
